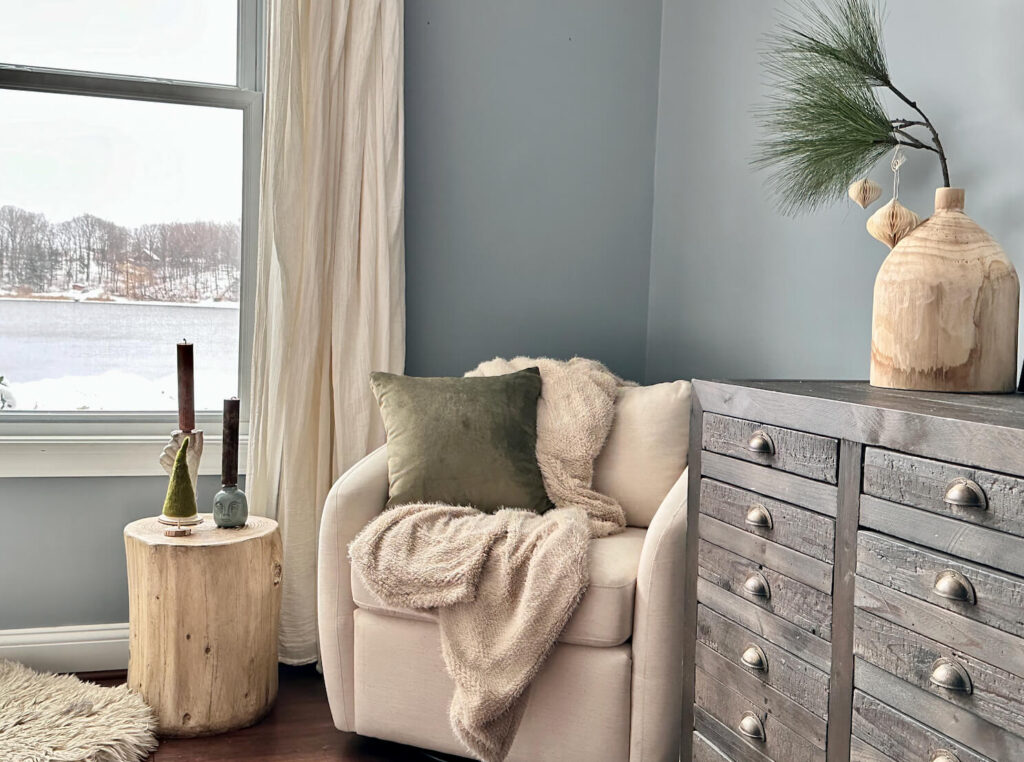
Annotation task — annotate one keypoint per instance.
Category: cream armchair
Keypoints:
(611, 689)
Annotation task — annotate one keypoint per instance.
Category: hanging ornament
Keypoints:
(865, 192)
(893, 221)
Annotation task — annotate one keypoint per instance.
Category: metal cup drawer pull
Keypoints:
(951, 675)
(761, 444)
(964, 493)
(751, 726)
(757, 586)
(944, 755)
(954, 586)
(758, 517)
(754, 658)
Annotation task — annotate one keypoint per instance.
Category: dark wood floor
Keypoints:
(298, 729)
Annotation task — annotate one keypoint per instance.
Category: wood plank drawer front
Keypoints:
(764, 661)
(992, 646)
(781, 743)
(801, 604)
(781, 485)
(725, 739)
(988, 596)
(958, 538)
(775, 629)
(861, 751)
(988, 692)
(794, 451)
(705, 751)
(894, 735)
(795, 565)
(784, 709)
(977, 733)
(788, 525)
(923, 483)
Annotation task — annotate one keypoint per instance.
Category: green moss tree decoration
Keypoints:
(824, 122)
(180, 502)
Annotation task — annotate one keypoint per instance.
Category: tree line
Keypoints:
(169, 261)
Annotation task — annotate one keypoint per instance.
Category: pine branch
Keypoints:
(824, 122)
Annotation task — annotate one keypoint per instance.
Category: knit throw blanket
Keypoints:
(504, 585)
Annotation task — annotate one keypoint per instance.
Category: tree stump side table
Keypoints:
(203, 613)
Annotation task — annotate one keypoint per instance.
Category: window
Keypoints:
(129, 151)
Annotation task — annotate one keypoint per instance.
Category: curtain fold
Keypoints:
(330, 301)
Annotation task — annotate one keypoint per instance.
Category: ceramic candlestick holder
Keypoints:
(230, 507)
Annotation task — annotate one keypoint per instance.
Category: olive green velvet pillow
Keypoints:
(463, 441)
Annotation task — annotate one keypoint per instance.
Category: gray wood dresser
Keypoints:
(855, 581)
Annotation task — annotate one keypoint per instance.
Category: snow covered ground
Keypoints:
(99, 295)
(120, 390)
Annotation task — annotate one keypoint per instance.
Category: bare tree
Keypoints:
(176, 261)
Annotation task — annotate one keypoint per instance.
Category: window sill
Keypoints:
(98, 455)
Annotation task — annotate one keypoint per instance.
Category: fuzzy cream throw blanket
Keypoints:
(504, 585)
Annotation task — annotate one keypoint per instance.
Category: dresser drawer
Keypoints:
(788, 636)
(958, 678)
(724, 740)
(794, 451)
(790, 526)
(983, 736)
(972, 590)
(945, 534)
(969, 494)
(896, 736)
(862, 751)
(779, 558)
(801, 604)
(764, 661)
(705, 751)
(750, 724)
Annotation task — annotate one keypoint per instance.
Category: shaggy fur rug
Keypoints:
(59, 718)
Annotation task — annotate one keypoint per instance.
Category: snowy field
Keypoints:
(80, 355)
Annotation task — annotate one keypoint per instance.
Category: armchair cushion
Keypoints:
(605, 615)
(647, 448)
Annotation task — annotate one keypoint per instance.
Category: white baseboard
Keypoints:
(83, 648)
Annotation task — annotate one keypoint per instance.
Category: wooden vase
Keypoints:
(945, 308)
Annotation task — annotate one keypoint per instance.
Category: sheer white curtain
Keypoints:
(330, 290)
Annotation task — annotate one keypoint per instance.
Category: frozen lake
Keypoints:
(65, 355)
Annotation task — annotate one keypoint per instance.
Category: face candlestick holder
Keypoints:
(230, 506)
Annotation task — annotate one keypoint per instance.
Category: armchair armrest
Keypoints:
(658, 633)
(356, 498)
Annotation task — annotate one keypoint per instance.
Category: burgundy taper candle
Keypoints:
(229, 444)
(186, 388)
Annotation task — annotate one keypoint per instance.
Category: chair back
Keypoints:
(647, 448)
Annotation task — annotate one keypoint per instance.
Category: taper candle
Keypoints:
(229, 444)
(186, 388)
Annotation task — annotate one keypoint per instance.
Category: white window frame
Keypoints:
(36, 444)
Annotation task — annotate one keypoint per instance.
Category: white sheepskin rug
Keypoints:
(59, 718)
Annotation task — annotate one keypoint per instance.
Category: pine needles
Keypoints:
(824, 123)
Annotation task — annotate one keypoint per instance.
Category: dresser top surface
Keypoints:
(1004, 410)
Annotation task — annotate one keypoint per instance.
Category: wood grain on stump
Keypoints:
(203, 623)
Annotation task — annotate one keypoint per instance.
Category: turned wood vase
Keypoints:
(945, 308)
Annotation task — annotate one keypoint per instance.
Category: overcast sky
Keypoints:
(127, 161)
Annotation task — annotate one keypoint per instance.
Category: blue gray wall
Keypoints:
(738, 291)
(529, 132)
(62, 550)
